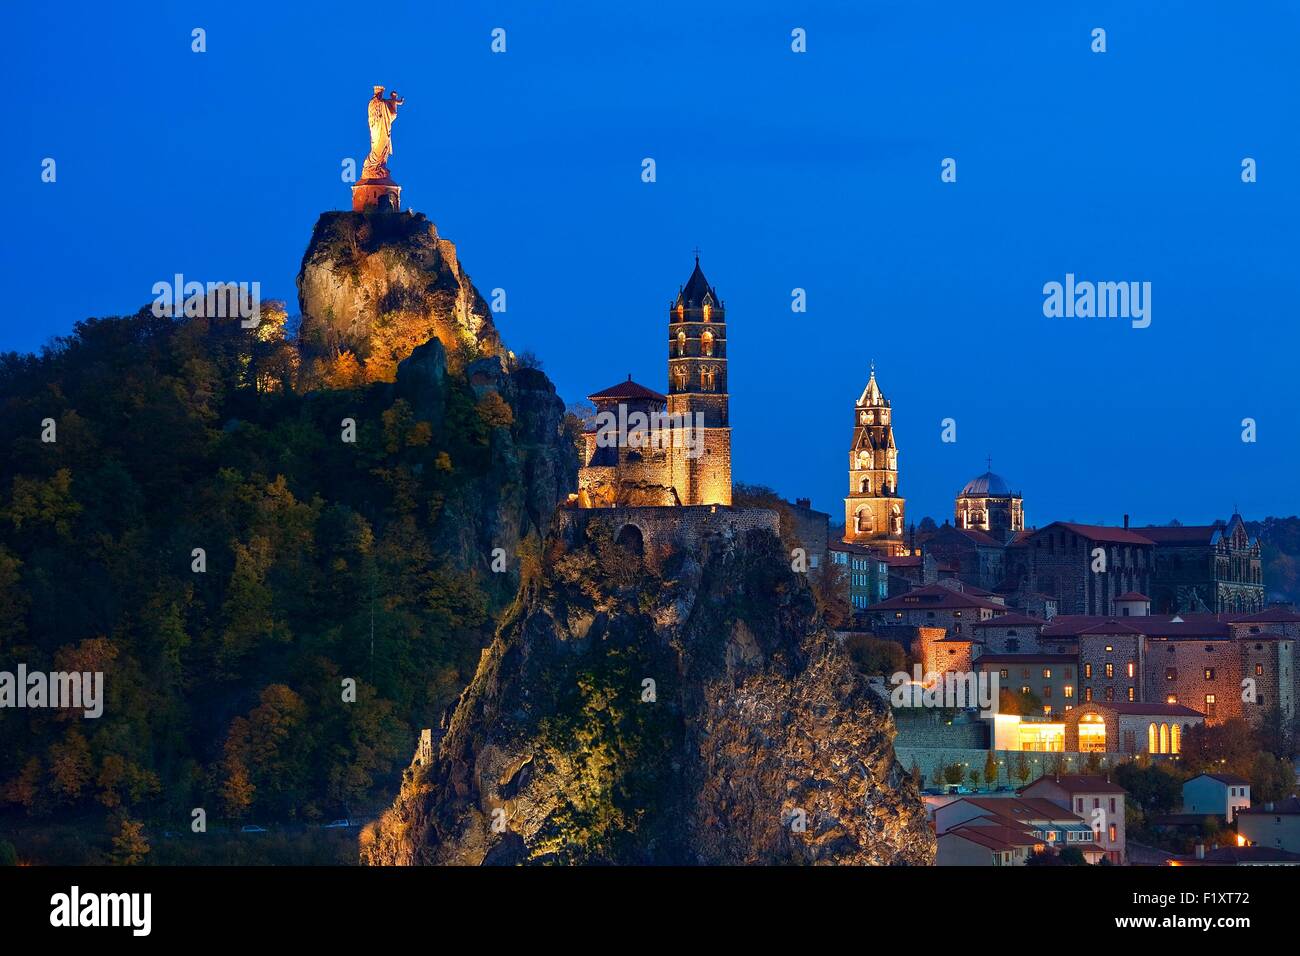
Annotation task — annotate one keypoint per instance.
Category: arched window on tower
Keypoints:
(864, 485)
(864, 522)
(1153, 745)
(708, 312)
(680, 375)
(706, 342)
(681, 343)
(864, 460)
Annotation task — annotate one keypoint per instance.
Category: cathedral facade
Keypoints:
(873, 510)
(649, 449)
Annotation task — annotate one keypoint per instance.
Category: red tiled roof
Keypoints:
(1111, 627)
(1272, 615)
(1180, 534)
(1231, 779)
(1195, 626)
(934, 597)
(1133, 596)
(1288, 807)
(1017, 810)
(994, 834)
(1100, 532)
(1011, 620)
(628, 389)
(1073, 783)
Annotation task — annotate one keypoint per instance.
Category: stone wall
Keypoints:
(664, 530)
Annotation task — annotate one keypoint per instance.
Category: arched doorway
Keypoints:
(630, 539)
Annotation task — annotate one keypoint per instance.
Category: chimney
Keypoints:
(1126, 521)
(1200, 851)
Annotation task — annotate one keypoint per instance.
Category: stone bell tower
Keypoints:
(873, 511)
(697, 387)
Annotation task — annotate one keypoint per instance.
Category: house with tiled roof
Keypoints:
(1050, 823)
(936, 605)
(1219, 794)
(1092, 797)
(1273, 824)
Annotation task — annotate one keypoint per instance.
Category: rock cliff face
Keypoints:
(530, 464)
(702, 715)
(378, 285)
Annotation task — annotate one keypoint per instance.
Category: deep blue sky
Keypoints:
(818, 170)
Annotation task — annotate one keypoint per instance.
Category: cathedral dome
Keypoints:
(987, 485)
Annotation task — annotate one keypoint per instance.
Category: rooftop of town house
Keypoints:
(1013, 619)
(1106, 534)
(935, 597)
(1192, 626)
(1282, 808)
(1229, 779)
(1073, 783)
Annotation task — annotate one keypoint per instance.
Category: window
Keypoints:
(706, 342)
(1171, 673)
(1068, 691)
(1087, 670)
(1259, 670)
(1087, 695)
(1047, 673)
(1130, 668)
(1003, 673)
(1110, 693)
(681, 343)
(1209, 673)
(1132, 695)
(1113, 833)
(1171, 699)
(1047, 691)
(1110, 670)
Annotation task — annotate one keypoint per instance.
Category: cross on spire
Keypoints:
(989, 462)
(696, 250)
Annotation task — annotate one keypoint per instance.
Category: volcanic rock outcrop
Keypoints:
(379, 285)
(693, 712)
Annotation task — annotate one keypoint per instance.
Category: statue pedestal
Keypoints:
(376, 195)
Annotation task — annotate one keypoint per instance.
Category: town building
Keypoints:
(1052, 678)
(1274, 825)
(976, 557)
(1054, 825)
(1086, 567)
(1212, 568)
(867, 572)
(1095, 799)
(1219, 794)
(985, 841)
(1140, 728)
(936, 605)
